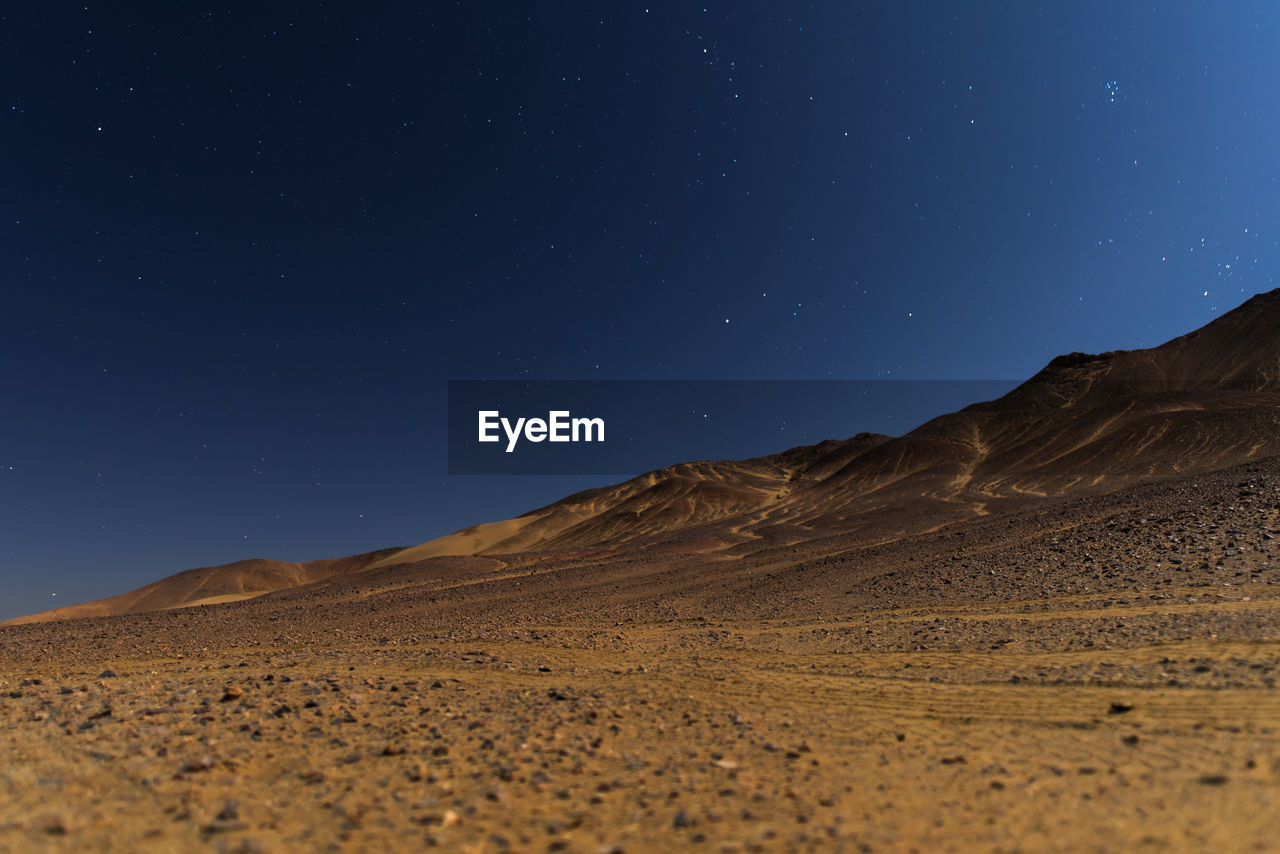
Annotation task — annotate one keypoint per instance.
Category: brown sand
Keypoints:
(1095, 675)
(1045, 623)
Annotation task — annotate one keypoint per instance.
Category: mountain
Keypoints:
(211, 585)
(1085, 424)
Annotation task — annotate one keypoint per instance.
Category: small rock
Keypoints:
(202, 764)
(220, 826)
(58, 825)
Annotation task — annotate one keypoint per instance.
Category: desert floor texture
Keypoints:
(1094, 674)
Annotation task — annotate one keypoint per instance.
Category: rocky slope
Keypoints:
(1084, 425)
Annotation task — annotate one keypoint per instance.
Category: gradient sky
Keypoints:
(243, 247)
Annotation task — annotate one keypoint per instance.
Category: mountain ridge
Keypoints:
(1085, 423)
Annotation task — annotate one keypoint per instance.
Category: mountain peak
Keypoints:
(1086, 423)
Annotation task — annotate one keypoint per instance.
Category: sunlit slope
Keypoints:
(1201, 402)
(206, 585)
(1085, 424)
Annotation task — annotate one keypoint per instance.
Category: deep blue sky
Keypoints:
(242, 248)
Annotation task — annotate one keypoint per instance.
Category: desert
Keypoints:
(939, 504)
(1047, 622)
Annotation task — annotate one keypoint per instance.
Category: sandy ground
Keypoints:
(718, 736)
(1095, 675)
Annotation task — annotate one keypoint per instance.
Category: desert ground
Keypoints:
(1089, 674)
(1049, 622)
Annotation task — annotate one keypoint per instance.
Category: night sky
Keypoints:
(243, 248)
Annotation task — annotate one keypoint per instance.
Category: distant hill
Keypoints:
(1085, 424)
(209, 585)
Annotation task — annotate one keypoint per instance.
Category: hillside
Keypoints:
(1085, 424)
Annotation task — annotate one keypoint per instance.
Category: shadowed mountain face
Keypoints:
(1084, 425)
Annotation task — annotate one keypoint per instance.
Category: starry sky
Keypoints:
(243, 248)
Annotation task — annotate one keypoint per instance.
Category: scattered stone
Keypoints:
(219, 825)
(60, 824)
(202, 764)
